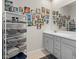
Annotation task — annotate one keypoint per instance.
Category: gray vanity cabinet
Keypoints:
(45, 43)
(57, 47)
(48, 43)
(67, 52)
(68, 49)
(62, 48)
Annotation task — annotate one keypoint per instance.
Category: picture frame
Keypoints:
(38, 16)
(42, 15)
(57, 12)
(33, 16)
(37, 10)
(26, 9)
(59, 15)
(20, 9)
(43, 9)
(54, 17)
(53, 12)
(47, 11)
(33, 11)
(29, 19)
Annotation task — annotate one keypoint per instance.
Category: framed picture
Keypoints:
(37, 10)
(33, 11)
(53, 12)
(38, 16)
(26, 9)
(47, 11)
(42, 15)
(29, 19)
(34, 22)
(57, 13)
(54, 17)
(15, 9)
(20, 9)
(54, 22)
(33, 16)
(43, 9)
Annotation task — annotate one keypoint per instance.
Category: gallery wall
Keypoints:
(34, 35)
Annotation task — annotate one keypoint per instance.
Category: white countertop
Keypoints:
(65, 34)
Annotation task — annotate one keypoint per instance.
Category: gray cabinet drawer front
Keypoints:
(57, 39)
(57, 53)
(57, 45)
(57, 42)
(48, 35)
(69, 42)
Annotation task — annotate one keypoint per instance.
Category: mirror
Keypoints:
(65, 17)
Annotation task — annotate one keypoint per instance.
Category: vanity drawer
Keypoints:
(57, 53)
(57, 42)
(57, 39)
(69, 42)
(48, 35)
(57, 45)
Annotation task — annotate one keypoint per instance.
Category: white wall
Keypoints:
(34, 36)
(61, 3)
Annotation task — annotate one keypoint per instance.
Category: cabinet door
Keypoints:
(45, 43)
(57, 53)
(67, 52)
(50, 45)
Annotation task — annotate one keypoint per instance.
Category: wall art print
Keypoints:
(26, 9)
(37, 10)
(29, 18)
(35, 17)
(43, 9)
(47, 11)
(46, 18)
(33, 11)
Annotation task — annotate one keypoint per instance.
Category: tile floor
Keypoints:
(37, 54)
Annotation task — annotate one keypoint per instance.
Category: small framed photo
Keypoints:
(37, 10)
(57, 13)
(33, 11)
(15, 9)
(47, 11)
(43, 9)
(27, 9)
(53, 12)
(42, 15)
(53, 17)
(54, 22)
(38, 16)
(20, 9)
(33, 16)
